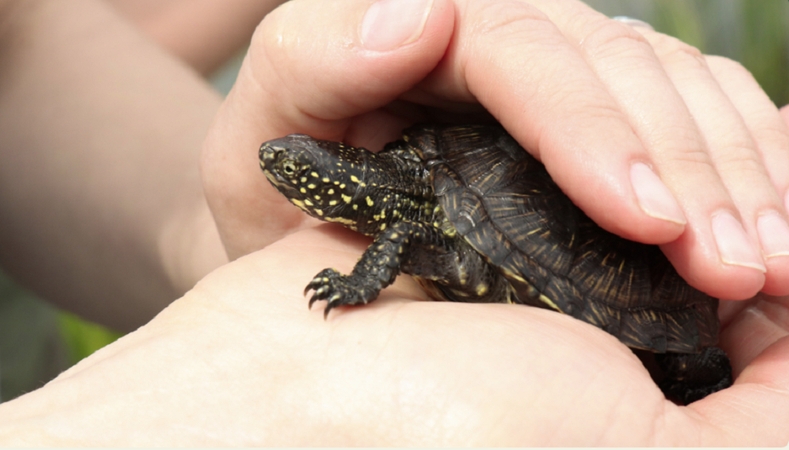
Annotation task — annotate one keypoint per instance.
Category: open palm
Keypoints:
(240, 360)
(405, 372)
(426, 373)
(444, 373)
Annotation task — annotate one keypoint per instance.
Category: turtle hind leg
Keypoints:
(692, 376)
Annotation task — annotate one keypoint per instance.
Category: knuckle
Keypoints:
(672, 51)
(773, 136)
(694, 160)
(506, 20)
(740, 161)
(611, 38)
(276, 42)
(720, 65)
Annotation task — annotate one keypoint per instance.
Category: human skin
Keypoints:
(202, 33)
(239, 359)
(101, 205)
(598, 101)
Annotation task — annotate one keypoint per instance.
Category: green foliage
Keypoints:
(82, 337)
(31, 350)
(765, 45)
(37, 341)
(681, 19)
(754, 33)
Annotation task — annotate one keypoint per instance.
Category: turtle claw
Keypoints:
(336, 289)
(333, 301)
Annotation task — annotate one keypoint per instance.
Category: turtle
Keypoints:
(473, 217)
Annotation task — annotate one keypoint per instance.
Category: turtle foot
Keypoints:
(338, 290)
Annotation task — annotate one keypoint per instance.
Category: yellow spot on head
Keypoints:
(314, 175)
(332, 202)
(481, 289)
(354, 179)
(369, 201)
(330, 192)
(311, 186)
(346, 198)
(308, 202)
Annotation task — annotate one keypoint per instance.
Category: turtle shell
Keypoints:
(504, 204)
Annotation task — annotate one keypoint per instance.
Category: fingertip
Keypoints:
(332, 60)
(627, 199)
(777, 279)
(699, 263)
(654, 198)
(773, 232)
(388, 24)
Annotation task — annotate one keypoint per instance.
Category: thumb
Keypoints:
(312, 67)
(332, 60)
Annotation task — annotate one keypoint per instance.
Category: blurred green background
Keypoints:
(38, 341)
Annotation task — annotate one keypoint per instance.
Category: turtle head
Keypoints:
(320, 177)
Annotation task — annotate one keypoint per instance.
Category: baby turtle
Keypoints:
(474, 218)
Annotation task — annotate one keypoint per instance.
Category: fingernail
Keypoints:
(388, 24)
(653, 196)
(734, 244)
(773, 234)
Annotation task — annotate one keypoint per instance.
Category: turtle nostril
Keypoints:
(270, 153)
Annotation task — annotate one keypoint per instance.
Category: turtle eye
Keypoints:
(289, 167)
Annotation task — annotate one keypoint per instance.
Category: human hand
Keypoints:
(588, 95)
(202, 33)
(241, 361)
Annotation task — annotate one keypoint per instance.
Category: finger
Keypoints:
(757, 344)
(754, 410)
(312, 65)
(771, 143)
(511, 58)
(733, 230)
(761, 323)
(736, 158)
(724, 263)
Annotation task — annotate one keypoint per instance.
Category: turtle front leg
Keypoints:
(378, 267)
